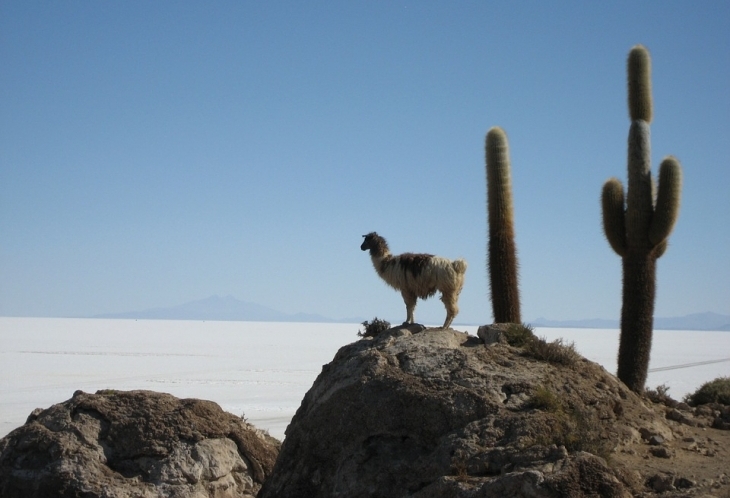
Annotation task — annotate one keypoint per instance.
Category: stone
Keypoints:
(492, 334)
(656, 440)
(660, 452)
(436, 414)
(413, 328)
(722, 420)
(720, 423)
(682, 418)
(118, 444)
(661, 483)
(684, 483)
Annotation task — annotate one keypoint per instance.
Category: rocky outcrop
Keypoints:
(117, 444)
(440, 414)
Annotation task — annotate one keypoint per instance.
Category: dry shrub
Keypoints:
(660, 395)
(374, 327)
(574, 428)
(522, 336)
(715, 391)
(553, 352)
(545, 399)
(460, 471)
(518, 335)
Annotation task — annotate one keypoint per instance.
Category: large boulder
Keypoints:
(116, 444)
(440, 414)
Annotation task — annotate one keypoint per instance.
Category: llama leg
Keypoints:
(410, 300)
(452, 308)
(450, 298)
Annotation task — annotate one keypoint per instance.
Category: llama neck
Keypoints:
(379, 248)
(379, 259)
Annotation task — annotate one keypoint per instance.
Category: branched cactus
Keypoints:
(502, 259)
(639, 227)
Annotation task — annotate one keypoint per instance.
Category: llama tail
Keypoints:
(459, 266)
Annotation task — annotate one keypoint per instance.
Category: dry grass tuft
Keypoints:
(553, 352)
(374, 327)
(545, 399)
(570, 427)
(518, 335)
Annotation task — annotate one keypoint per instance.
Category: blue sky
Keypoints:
(153, 153)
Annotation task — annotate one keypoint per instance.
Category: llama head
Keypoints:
(377, 244)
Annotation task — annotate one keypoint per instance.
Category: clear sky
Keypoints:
(153, 153)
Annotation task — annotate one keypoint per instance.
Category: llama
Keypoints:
(418, 275)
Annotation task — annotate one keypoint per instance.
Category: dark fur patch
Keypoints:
(413, 263)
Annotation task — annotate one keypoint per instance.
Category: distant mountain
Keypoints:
(590, 323)
(695, 321)
(226, 308)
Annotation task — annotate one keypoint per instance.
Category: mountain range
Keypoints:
(228, 308)
(695, 321)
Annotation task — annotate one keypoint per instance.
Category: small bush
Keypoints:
(715, 391)
(553, 352)
(518, 335)
(660, 395)
(522, 336)
(544, 399)
(576, 430)
(460, 471)
(374, 327)
(584, 436)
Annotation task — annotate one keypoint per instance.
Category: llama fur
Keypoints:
(418, 275)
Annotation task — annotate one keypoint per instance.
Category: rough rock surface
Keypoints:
(117, 444)
(440, 414)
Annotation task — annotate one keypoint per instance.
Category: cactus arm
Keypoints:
(614, 216)
(667, 203)
(638, 69)
(614, 226)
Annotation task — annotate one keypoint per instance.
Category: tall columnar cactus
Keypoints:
(502, 260)
(638, 229)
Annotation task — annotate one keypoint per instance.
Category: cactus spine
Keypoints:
(502, 259)
(638, 231)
